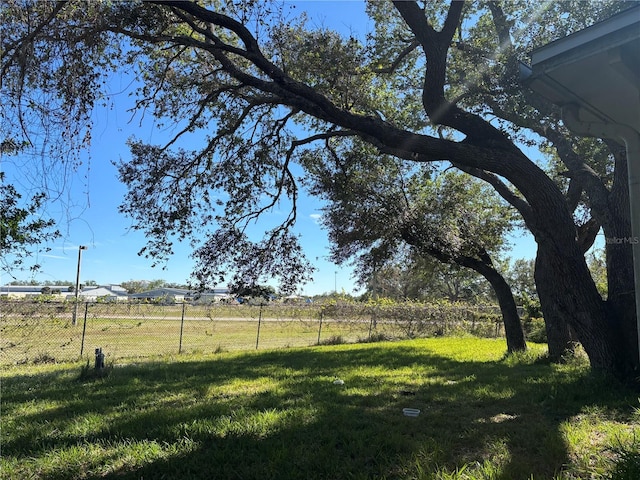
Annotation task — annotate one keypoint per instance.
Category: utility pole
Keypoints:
(77, 290)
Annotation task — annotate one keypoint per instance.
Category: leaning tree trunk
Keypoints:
(512, 325)
(484, 266)
(567, 290)
(568, 294)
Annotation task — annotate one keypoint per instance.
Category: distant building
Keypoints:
(116, 293)
(166, 295)
(214, 295)
(295, 299)
(109, 293)
(179, 295)
(66, 292)
(28, 291)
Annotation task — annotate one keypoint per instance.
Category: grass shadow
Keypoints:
(278, 414)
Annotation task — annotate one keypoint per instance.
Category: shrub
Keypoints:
(531, 306)
(88, 372)
(42, 358)
(534, 329)
(485, 328)
(332, 340)
(375, 337)
(627, 463)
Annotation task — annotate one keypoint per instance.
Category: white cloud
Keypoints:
(58, 257)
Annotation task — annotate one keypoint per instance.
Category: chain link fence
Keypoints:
(32, 332)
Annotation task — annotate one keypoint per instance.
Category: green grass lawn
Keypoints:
(278, 414)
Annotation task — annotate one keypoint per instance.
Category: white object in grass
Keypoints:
(411, 412)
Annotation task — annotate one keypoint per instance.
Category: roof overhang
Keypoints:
(596, 69)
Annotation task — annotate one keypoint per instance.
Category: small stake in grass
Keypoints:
(99, 364)
(99, 370)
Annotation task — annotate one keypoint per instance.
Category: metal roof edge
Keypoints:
(626, 20)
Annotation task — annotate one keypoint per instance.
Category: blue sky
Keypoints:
(111, 256)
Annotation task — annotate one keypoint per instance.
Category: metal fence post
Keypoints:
(373, 319)
(259, 321)
(184, 306)
(320, 327)
(84, 327)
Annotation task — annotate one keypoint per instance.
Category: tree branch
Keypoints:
(587, 233)
(19, 46)
(398, 60)
(503, 190)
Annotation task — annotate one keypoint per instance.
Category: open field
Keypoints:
(32, 332)
(47, 340)
(278, 414)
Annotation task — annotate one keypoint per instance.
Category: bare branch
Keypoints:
(401, 56)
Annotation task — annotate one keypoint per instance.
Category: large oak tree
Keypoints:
(252, 84)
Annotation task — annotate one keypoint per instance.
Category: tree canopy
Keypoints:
(23, 232)
(248, 89)
(375, 205)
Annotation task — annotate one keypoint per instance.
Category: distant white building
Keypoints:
(27, 291)
(66, 292)
(109, 293)
(180, 295)
(116, 293)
